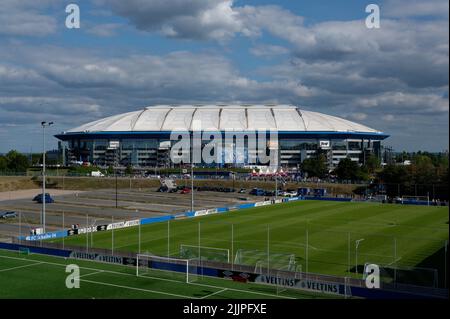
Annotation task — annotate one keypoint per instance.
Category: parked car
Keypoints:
(290, 194)
(97, 174)
(269, 193)
(6, 215)
(242, 191)
(257, 192)
(185, 191)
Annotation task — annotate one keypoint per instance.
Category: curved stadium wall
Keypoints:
(142, 138)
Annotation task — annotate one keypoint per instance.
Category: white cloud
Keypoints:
(415, 8)
(388, 118)
(390, 79)
(105, 30)
(191, 19)
(401, 102)
(268, 50)
(358, 116)
(24, 18)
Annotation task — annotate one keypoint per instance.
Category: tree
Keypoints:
(16, 161)
(348, 170)
(395, 178)
(3, 163)
(316, 166)
(110, 170)
(372, 164)
(427, 175)
(423, 170)
(129, 170)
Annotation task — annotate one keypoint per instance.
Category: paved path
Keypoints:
(30, 193)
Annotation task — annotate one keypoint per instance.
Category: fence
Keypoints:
(303, 280)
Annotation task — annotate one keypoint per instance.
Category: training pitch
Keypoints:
(331, 238)
(38, 276)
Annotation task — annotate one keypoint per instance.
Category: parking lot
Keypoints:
(99, 206)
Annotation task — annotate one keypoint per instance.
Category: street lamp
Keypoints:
(356, 252)
(44, 125)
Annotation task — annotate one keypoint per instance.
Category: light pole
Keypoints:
(116, 186)
(357, 242)
(44, 125)
(192, 187)
(192, 173)
(276, 185)
(92, 227)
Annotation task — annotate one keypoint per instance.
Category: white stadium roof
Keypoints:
(165, 118)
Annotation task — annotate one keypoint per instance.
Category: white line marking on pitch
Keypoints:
(214, 293)
(18, 267)
(157, 278)
(134, 288)
(92, 273)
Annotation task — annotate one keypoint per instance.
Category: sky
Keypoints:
(316, 54)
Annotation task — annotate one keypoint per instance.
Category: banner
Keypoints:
(85, 230)
(102, 227)
(205, 212)
(45, 236)
(125, 224)
(303, 284)
(202, 212)
(97, 257)
(127, 261)
(236, 276)
(265, 203)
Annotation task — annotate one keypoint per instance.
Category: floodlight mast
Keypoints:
(44, 124)
(357, 242)
(191, 157)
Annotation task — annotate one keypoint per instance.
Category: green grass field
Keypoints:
(401, 236)
(38, 276)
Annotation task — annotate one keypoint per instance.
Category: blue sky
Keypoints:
(315, 54)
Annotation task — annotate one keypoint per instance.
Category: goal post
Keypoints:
(147, 265)
(282, 276)
(260, 259)
(204, 253)
(415, 200)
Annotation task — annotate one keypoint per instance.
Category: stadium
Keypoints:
(142, 138)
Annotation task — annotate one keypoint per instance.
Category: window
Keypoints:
(298, 144)
(354, 146)
(340, 145)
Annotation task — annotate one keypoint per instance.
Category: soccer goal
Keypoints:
(260, 259)
(392, 275)
(203, 253)
(150, 265)
(424, 200)
(24, 251)
(285, 279)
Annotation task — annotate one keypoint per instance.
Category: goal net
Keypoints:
(424, 200)
(203, 253)
(287, 278)
(260, 259)
(393, 275)
(185, 269)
